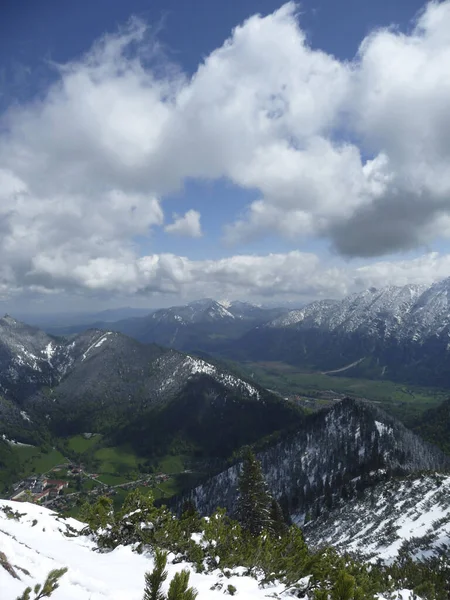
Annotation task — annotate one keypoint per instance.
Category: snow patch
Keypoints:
(382, 428)
(98, 342)
(25, 416)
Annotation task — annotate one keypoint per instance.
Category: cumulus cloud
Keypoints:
(295, 275)
(389, 192)
(355, 153)
(188, 225)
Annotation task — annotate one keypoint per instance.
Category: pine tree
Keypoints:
(344, 587)
(179, 590)
(44, 591)
(253, 508)
(278, 526)
(155, 579)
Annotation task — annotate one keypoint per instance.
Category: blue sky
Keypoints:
(322, 177)
(189, 30)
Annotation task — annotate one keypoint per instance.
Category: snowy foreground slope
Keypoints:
(413, 513)
(38, 542)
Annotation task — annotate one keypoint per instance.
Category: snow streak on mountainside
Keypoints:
(411, 513)
(175, 369)
(329, 450)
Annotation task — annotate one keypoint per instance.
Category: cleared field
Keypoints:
(116, 459)
(80, 444)
(404, 401)
(172, 464)
(166, 489)
(111, 479)
(34, 460)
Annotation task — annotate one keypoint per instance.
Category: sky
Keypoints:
(154, 152)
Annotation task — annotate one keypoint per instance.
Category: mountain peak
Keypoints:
(8, 320)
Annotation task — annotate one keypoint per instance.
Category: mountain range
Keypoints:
(397, 332)
(109, 383)
(350, 475)
(199, 325)
(60, 320)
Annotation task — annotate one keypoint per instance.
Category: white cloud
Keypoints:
(188, 225)
(295, 275)
(313, 178)
(355, 153)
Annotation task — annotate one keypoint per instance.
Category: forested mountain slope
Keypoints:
(136, 393)
(335, 453)
(434, 425)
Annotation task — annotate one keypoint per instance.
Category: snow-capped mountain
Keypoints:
(200, 311)
(413, 312)
(411, 514)
(395, 332)
(202, 325)
(337, 451)
(389, 311)
(107, 382)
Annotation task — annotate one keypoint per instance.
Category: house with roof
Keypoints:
(56, 485)
(41, 496)
(20, 496)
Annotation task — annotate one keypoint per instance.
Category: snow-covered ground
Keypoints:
(415, 509)
(39, 541)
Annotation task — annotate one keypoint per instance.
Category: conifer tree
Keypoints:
(46, 590)
(179, 590)
(253, 508)
(155, 579)
(344, 587)
(278, 526)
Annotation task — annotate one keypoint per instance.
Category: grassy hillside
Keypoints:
(17, 462)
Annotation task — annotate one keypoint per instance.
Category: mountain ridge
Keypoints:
(398, 332)
(329, 450)
(197, 325)
(112, 384)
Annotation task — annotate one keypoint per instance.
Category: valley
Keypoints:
(89, 469)
(315, 390)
